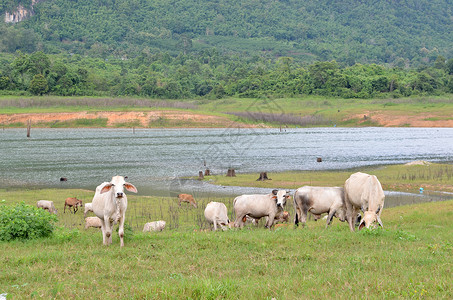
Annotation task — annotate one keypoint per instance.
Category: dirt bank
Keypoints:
(164, 118)
(398, 120)
(177, 118)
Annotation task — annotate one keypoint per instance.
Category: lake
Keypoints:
(156, 159)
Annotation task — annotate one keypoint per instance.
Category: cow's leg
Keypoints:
(351, 213)
(303, 216)
(270, 220)
(238, 222)
(108, 230)
(215, 225)
(103, 232)
(121, 231)
(330, 217)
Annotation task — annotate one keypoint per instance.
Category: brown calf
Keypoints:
(73, 203)
(187, 198)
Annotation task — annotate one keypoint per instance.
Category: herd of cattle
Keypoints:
(361, 192)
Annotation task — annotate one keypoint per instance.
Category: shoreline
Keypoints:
(171, 118)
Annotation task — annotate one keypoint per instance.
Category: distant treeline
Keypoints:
(211, 75)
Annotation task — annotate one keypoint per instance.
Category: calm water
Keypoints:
(155, 159)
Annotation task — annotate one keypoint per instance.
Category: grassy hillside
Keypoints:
(349, 31)
(410, 258)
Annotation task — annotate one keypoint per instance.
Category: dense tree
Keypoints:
(210, 75)
(38, 85)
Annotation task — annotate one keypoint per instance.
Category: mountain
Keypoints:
(395, 32)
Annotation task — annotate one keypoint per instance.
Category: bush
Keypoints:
(25, 222)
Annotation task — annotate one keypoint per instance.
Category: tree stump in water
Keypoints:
(200, 175)
(263, 176)
(231, 173)
(207, 172)
(319, 159)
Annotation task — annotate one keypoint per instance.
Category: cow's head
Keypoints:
(118, 184)
(370, 218)
(280, 197)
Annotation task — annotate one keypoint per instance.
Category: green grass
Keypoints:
(410, 258)
(434, 177)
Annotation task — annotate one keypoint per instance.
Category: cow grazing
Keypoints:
(319, 200)
(88, 208)
(94, 222)
(73, 203)
(186, 198)
(363, 192)
(47, 205)
(110, 205)
(154, 226)
(258, 206)
(216, 213)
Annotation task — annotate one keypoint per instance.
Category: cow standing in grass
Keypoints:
(259, 206)
(110, 205)
(319, 200)
(364, 192)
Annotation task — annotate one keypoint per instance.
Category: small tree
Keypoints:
(38, 85)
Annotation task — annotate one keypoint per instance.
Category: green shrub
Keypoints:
(25, 222)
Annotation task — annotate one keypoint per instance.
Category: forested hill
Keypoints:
(397, 32)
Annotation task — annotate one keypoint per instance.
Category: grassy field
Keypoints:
(308, 111)
(408, 178)
(411, 258)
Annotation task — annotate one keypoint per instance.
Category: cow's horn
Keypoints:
(274, 192)
(379, 221)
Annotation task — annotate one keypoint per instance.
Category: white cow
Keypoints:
(47, 205)
(217, 213)
(88, 207)
(363, 192)
(154, 226)
(318, 200)
(110, 205)
(258, 206)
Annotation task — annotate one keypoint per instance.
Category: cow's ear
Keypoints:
(275, 198)
(362, 224)
(130, 187)
(106, 188)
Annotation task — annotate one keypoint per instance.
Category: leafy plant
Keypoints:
(25, 222)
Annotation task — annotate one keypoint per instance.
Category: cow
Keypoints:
(88, 207)
(187, 198)
(364, 192)
(47, 205)
(154, 226)
(73, 203)
(110, 205)
(318, 200)
(217, 213)
(258, 206)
